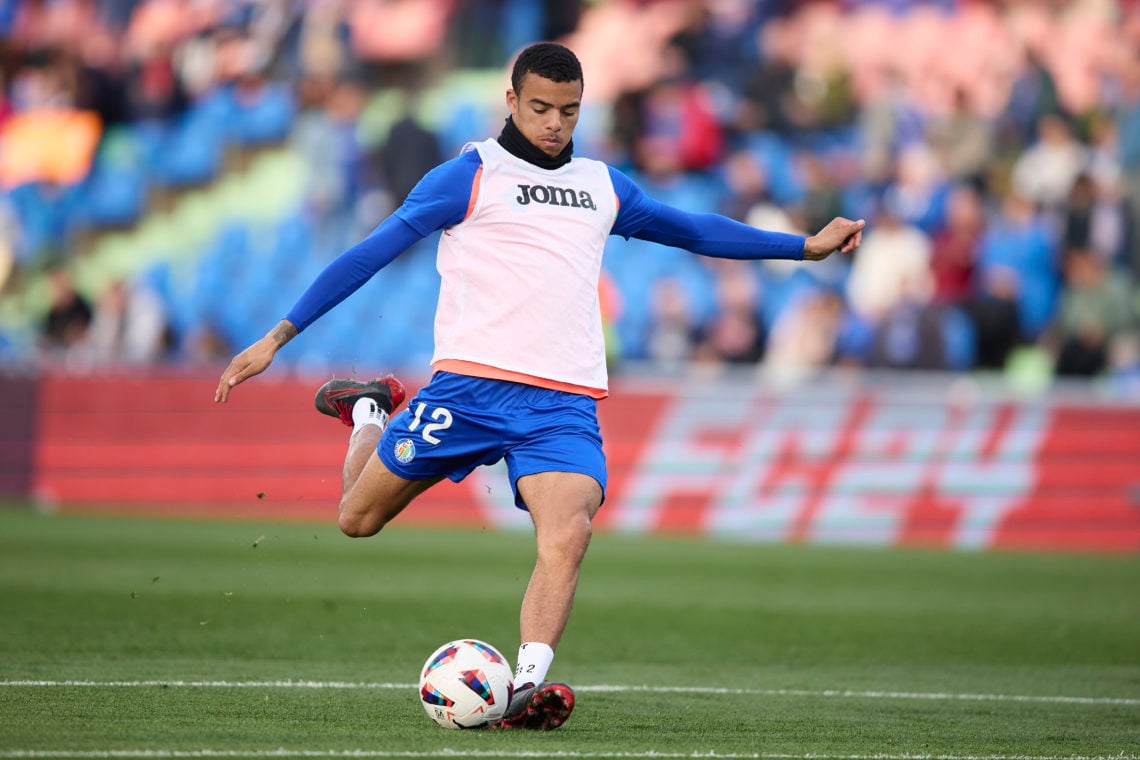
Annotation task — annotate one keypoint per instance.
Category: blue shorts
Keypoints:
(456, 423)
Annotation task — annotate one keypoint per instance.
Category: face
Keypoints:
(546, 112)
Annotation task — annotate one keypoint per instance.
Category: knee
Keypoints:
(357, 526)
(568, 539)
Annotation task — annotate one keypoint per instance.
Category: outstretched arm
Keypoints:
(342, 277)
(439, 200)
(714, 235)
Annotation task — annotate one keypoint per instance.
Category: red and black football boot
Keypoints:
(539, 708)
(337, 397)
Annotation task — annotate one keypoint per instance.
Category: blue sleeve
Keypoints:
(351, 269)
(642, 217)
(439, 200)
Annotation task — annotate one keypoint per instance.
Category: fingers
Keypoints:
(851, 243)
(854, 236)
(230, 378)
(222, 393)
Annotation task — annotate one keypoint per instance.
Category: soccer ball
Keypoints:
(466, 684)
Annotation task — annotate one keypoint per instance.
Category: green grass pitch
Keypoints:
(135, 638)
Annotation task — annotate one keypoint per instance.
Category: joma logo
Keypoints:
(555, 196)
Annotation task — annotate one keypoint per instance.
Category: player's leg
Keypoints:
(390, 462)
(562, 506)
(371, 494)
(558, 470)
(361, 447)
(376, 494)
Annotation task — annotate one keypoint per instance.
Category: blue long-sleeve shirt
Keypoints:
(442, 199)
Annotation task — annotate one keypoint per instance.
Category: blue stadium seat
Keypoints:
(267, 118)
(111, 196)
(777, 158)
(43, 212)
(191, 150)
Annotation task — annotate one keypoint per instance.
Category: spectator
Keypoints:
(1046, 171)
(911, 335)
(889, 122)
(325, 137)
(954, 250)
(918, 192)
(678, 117)
(734, 335)
(128, 327)
(204, 345)
(1095, 308)
(1021, 244)
(103, 86)
(805, 336)
(993, 311)
(1095, 217)
(768, 94)
(963, 141)
(68, 317)
(673, 330)
(156, 90)
(318, 42)
(1032, 95)
(410, 151)
(822, 198)
(1128, 130)
(892, 264)
(747, 186)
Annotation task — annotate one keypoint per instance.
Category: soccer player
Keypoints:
(519, 362)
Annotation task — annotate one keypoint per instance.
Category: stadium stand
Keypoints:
(216, 155)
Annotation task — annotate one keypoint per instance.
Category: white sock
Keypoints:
(367, 412)
(534, 660)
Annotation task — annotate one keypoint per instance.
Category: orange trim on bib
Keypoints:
(474, 192)
(474, 369)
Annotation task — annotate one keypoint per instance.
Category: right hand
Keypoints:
(252, 361)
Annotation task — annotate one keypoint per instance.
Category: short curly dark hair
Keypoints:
(548, 60)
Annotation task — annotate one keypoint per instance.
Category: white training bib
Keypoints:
(520, 273)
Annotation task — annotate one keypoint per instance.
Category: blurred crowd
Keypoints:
(992, 147)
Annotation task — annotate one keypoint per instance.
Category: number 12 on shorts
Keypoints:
(442, 417)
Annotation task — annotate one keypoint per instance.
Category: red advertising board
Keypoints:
(867, 463)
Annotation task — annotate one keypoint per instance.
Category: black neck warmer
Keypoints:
(517, 145)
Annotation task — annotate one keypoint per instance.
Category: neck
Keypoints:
(517, 145)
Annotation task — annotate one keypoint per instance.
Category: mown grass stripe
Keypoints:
(620, 688)
(452, 753)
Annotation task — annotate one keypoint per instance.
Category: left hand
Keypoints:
(840, 234)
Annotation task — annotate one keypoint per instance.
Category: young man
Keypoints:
(519, 360)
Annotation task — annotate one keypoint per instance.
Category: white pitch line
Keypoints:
(853, 694)
(830, 693)
(452, 753)
(286, 684)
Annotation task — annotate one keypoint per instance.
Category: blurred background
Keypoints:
(175, 172)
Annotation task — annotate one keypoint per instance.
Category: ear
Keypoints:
(512, 100)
